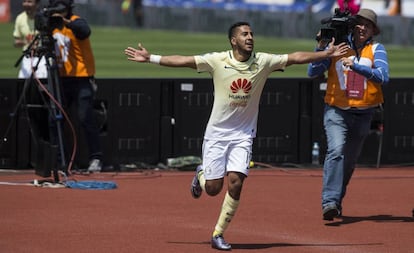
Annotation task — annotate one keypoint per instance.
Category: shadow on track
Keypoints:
(345, 220)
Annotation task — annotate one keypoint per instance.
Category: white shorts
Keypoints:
(26, 67)
(220, 157)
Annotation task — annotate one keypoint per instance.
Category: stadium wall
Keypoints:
(165, 118)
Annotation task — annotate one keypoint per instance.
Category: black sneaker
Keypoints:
(195, 184)
(218, 242)
(330, 212)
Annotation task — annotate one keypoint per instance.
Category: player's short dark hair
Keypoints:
(234, 26)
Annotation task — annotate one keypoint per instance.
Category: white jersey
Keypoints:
(237, 90)
(24, 29)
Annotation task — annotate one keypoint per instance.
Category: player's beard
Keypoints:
(247, 52)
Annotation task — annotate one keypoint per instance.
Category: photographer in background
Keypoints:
(77, 69)
(138, 12)
(353, 94)
(24, 32)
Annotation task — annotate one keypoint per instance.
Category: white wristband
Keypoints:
(154, 58)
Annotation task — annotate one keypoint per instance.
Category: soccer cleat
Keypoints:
(95, 166)
(195, 184)
(218, 242)
(330, 212)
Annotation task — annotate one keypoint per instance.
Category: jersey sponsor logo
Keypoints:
(241, 84)
(240, 89)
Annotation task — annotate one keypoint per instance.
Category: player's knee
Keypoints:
(236, 180)
(235, 184)
(214, 187)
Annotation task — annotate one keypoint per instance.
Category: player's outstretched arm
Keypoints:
(140, 54)
(307, 57)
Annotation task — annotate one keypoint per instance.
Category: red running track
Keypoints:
(153, 212)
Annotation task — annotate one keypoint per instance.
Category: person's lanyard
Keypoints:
(356, 49)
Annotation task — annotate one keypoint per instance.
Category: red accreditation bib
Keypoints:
(355, 85)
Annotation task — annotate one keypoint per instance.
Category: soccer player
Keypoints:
(239, 76)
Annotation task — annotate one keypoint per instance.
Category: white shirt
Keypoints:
(24, 28)
(237, 90)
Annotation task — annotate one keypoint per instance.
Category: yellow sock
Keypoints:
(202, 180)
(228, 210)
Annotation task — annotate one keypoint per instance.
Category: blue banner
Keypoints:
(252, 5)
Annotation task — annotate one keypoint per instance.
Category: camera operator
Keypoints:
(353, 94)
(24, 32)
(77, 69)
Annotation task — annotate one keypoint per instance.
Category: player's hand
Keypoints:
(337, 50)
(139, 54)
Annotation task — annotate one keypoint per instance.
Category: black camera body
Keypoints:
(338, 26)
(45, 22)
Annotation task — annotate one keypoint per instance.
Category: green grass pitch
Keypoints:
(109, 43)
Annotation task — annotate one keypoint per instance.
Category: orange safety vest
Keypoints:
(336, 91)
(74, 56)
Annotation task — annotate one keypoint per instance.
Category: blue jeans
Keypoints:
(345, 131)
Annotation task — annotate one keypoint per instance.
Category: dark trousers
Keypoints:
(80, 92)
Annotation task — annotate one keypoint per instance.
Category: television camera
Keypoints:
(45, 22)
(338, 26)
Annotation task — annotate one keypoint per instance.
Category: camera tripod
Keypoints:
(48, 144)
